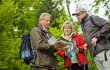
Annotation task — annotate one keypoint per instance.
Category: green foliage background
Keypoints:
(17, 17)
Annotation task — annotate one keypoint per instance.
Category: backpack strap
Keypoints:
(38, 29)
(91, 19)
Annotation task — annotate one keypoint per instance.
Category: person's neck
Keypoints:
(44, 28)
(67, 37)
(84, 18)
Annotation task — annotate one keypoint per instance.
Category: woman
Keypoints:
(75, 60)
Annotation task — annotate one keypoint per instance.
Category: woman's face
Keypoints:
(67, 29)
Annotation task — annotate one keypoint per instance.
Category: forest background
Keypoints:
(18, 17)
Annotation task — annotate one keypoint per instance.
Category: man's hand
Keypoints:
(60, 44)
(93, 41)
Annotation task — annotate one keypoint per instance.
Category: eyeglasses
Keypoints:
(78, 14)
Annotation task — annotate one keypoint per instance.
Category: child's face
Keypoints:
(67, 29)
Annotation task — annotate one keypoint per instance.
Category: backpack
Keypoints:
(26, 52)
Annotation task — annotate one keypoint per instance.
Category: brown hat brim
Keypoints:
(74, 14)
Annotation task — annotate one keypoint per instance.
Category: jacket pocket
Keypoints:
(47, 60)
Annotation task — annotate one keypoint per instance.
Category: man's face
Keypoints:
(45, 22)
(80, 16)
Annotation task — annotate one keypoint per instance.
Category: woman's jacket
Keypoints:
(81, 58)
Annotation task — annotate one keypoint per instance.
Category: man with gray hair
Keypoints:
(45, 59)
(96, 31)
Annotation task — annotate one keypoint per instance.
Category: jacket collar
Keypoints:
(85, 19)
(65, 37)
(42, 29)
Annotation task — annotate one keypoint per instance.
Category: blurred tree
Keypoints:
(68, 9)
(17, 17)
(56, 9)
(105, 4)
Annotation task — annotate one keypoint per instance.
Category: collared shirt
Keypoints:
(47, 33)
